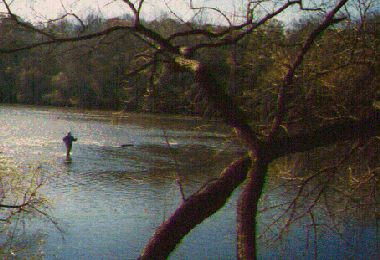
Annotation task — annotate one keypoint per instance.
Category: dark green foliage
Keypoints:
(339, 71)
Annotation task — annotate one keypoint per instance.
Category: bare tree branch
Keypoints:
(136, 11)
(246, 227)
(13, 206)
(194, 210)
(224, 37)
(213, 9)
(63, 17)
(288, 80)
(344, 131)
(25, 25)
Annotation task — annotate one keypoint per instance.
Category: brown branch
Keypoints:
(314, 226)
(246, 227)
(194, 210)
(307, 8)
(213, 9)
(66, 39)
(139, 69)
(64, 16)
(320, 188)
(224, 104)
(51, 219)
(203, 32)
(293, 206)
(176, 165)
(13, 206)
(330, 134)
(135, 11)
(288, 80)
(138, 30)
(177, 17)
(25, 25)
(223, 37)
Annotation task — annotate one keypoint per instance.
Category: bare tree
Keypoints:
(283, 136)
(19, 200)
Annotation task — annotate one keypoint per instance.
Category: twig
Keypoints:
(175, 164)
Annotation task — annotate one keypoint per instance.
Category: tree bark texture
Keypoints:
(247, 210)
(194, 210)
(348, 130)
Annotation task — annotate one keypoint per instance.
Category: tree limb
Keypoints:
(288, 80)
(194, 210)
(225, 40)
(246, 227)
(326, 135)
(13, 206)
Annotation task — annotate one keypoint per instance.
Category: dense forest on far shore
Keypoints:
(92, 73)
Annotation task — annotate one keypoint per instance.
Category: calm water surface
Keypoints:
(109, 200)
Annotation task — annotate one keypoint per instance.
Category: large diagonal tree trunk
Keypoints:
(200, 206)
(247, 210)
(194, 210)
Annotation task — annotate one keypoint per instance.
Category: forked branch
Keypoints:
(288, 80)
(194, 210)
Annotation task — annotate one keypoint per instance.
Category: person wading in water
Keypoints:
(68, 140)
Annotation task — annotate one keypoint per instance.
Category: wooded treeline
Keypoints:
(340, 68)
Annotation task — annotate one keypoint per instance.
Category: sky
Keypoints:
(43, 10)
(50, 9)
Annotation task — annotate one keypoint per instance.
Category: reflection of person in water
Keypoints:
(69, 139)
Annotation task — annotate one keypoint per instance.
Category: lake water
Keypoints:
(110, 199)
